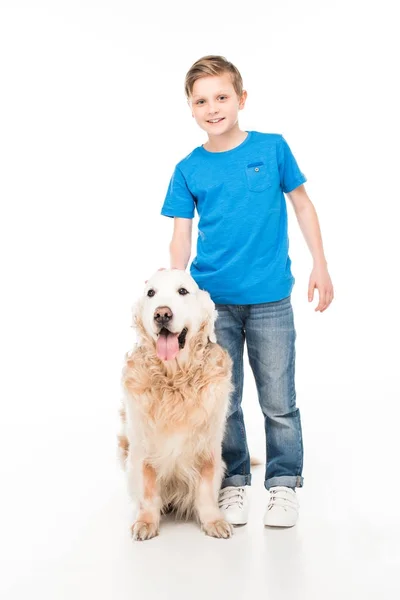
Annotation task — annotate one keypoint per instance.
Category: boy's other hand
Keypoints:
(321, 280)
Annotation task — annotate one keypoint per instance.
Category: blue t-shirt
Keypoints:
(242, 245)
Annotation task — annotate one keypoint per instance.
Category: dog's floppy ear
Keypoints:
(137, 322)
(210, 314)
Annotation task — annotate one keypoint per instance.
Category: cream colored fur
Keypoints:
(174, 411)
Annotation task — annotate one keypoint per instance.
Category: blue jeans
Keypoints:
(270, 334)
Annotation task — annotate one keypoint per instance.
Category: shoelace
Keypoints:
(230, 496)
(281, 496)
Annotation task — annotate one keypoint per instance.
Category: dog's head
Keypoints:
(172, 311)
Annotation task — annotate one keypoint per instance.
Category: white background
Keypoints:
(93, 121)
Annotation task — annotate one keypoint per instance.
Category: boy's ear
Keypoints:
(242, 99)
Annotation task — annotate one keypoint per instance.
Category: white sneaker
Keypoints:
(234, 504)
(283, 507)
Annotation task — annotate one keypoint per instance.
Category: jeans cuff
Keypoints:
(237, 481)
(286, 480)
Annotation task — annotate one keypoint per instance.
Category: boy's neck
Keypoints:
(225, 141)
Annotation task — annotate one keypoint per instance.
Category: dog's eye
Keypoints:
(182, 291)
(150, 293)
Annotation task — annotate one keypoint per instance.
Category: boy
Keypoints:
(237, 181)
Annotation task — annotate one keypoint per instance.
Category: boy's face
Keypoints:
(215, 105)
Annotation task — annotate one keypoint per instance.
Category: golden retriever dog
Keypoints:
(176, 384)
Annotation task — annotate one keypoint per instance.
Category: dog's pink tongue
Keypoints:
(167, 346)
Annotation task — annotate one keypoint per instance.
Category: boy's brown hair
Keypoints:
(212, 65)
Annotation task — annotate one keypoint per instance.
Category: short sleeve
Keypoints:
(179, 202)
(290, 175)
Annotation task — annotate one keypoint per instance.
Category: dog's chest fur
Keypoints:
(175, 422)
(179, 415)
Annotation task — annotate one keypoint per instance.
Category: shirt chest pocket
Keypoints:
(258, 176)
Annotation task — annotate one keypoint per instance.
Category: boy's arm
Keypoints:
(308, 220)
(181, 244)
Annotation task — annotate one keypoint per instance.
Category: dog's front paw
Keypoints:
(144, 531)
(218, 529)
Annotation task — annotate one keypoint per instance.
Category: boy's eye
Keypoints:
(202, 101)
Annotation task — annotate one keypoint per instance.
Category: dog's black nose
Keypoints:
(162, 315)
